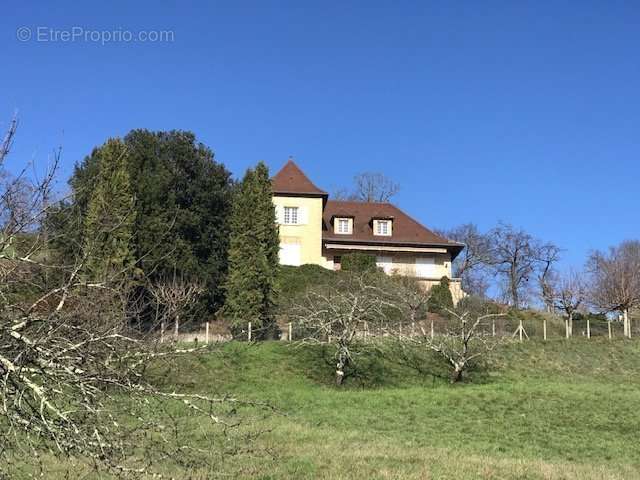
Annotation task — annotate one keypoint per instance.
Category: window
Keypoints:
(385, 263)
(290, 215)
(383, 227)
(426, 267)
(343, 225)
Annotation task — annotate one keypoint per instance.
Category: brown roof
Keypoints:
(406, 230)
(290, 179)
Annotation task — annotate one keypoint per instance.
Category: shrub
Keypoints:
(295, 280)
(358, 262)
(440, 298)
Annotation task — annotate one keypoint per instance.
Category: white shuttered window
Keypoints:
(291, 216)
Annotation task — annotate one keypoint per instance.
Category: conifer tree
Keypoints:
(253, 257)
(182, 209)
(440, 298)
(108, 231)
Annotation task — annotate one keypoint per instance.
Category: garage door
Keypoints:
(290, 254)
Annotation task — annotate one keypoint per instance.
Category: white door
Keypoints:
(290, 254)
(425, 267)
(385, 263)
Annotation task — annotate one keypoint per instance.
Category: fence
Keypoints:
(518, 328)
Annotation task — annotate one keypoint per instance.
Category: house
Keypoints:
(317, 230)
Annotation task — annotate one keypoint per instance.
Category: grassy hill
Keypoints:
(554, 410)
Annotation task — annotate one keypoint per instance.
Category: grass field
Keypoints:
(554, 410)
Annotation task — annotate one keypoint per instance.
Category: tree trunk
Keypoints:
(340, 366)
(456, 375)
(514, 295)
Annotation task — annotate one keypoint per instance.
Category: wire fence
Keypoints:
(521, 329)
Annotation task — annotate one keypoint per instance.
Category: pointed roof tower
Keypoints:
(290, 180)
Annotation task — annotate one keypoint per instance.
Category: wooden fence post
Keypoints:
(609, 328)
(566, 327)
(290, 331)
(520, 329)
(249, 332)
(432, 332)
(544, 329)
(206, 333)
(493, 327)
(161, 332)
(588, 329)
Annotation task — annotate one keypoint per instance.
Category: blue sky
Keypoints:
(526, 112)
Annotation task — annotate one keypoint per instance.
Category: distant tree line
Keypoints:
(523, 269)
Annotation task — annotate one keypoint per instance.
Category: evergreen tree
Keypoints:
(253, 257)
(182, 207)
(440, 298)
(108, 232)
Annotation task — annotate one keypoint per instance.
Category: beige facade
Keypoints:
(319, 231)
(427, 268)
(300, 243)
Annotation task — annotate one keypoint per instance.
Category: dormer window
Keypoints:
(343, 226)
(382, 227)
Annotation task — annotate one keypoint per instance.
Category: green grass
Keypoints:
(554, 410)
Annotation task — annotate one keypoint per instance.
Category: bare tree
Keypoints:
(615, 280)
(67, 354)
(174, 296)
(516, 256)
(548, 254)
(568, 296)
(409, 297)
(369, 187)
(473, 262)
(338, 314)
(7, 140)
(461, 345)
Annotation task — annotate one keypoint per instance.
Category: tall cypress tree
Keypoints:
(253, 257)
(108, 229)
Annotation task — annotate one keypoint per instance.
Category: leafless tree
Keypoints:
(548, 255)
(369, 187)
(409, 298)
(516, 257)
(569, 295)
(615, 280)
(461, 345)
(174, 296)
(68, 356)
(7, 140)
(340, 313)
(473, 262)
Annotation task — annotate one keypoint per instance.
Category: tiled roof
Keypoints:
(290, 179)
(406, 230)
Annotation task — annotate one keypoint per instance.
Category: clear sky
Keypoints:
(527, 112)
